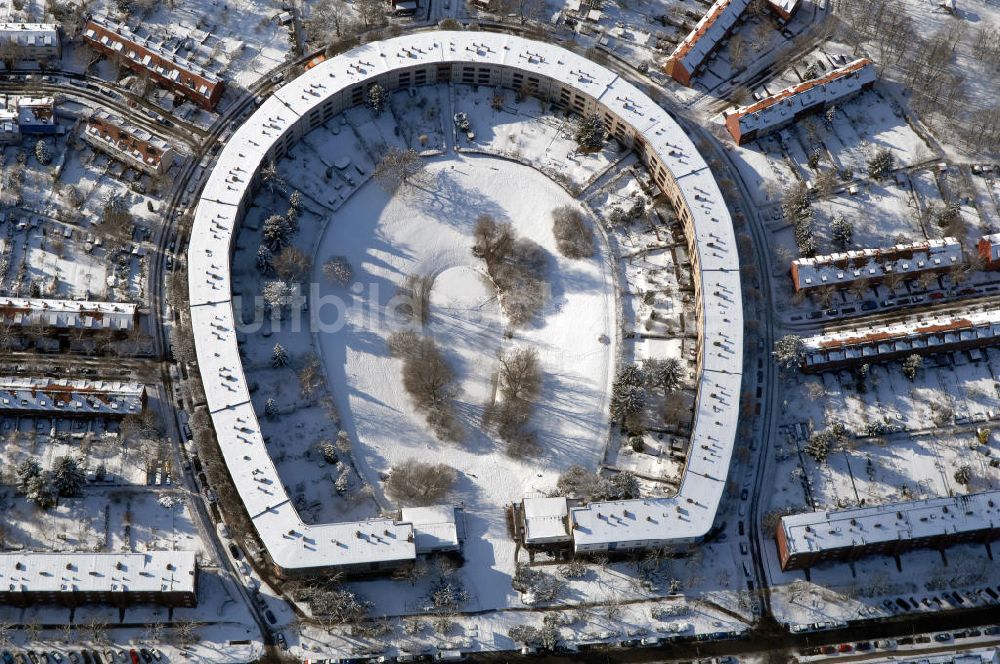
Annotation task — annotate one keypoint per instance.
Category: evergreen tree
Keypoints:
(42, 153)
(26, 470)
(376, 99)
(591, 132)
(881, 164)
(67, 477)
(279, 358)
(841, 232)
(271, 409)
(264, 260)
(276, 231)
(40, 490)
(663, 373)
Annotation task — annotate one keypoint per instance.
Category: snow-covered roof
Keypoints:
(708, 33)
(68, 313)
(910, 520)
(36, 111)
(545, 520)
(919, 334)
(783, 106)
(435, 528)
(67, 396)
(118, 37)
(288, 114)
(860, 264)
(130, 143)
(86, 572)
(31, 37)
(975, 656)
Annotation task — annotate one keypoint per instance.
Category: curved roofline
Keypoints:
(330, 87)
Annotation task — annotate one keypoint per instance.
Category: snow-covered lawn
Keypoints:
(427, 230)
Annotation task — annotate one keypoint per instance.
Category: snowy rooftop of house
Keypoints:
(839, 268)
(44, 35)
(713, 27)
(228, 190)
(826, 89)
(435, 528)
(545, 519)
(816, 531)
(980, 656)
(82, 572)
(787, 5)
(70, 396)
(67, 313)
(140, 48)
(918, 333)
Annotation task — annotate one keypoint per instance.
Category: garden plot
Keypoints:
(103, 456)
(985, 191)
(919, 460)
(102, 520)
(869, 122)
(882, 215)
(421, 117)
(524, 132)
(763, 169)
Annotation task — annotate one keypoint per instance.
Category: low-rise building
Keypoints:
(68, 314)
(10, 130)
(31, 41)
(989, 251)
(168, 578)
(807, 539)
(916, 336)
(70, 397)
(872, 266)
(127, 143)
(436, 529)
(693, 51)
(142, 55)
(747, 123)
(36, 115)
(545, 521)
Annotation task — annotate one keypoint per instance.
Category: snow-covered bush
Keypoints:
(789, 351)
(574, 239)
(338, 271)
(279, 356)
(42, 153)
(880, 164)
(416, 483)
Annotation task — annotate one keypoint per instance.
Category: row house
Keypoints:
(31, 41)
(166, 578)
(919, 336)
(70, 397)
(68, 314)
(142, 56)
(805, 540)
(691, 54)
(747, 123)
(127, 143)
(872, 266)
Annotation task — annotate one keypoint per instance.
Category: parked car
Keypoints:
(943, 637)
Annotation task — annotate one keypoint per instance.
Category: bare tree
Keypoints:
(416, 483)
(398, 167)
(292, 264)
